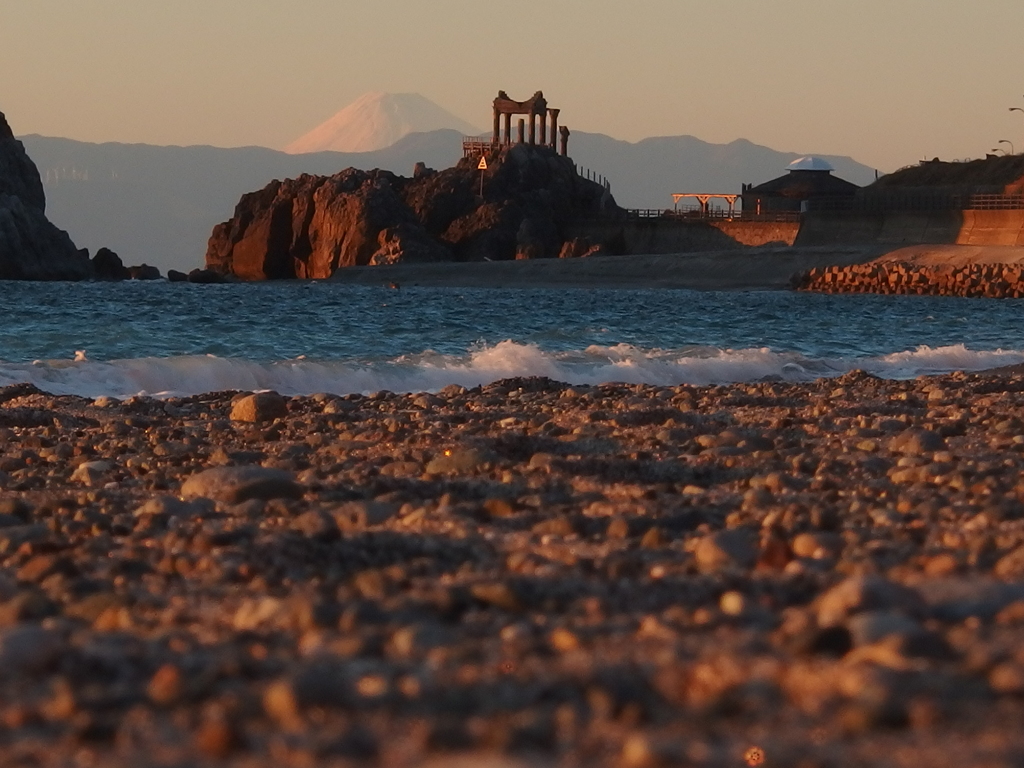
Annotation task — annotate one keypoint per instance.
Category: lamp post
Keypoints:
(1007, 141)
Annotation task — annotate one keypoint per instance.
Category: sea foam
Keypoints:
(429, 371)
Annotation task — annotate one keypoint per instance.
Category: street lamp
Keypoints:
(1007, 141)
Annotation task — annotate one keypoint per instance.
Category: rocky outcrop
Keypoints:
(31, 248)
(107, 265)
(312, 226)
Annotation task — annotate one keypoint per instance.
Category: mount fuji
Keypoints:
(376, 121)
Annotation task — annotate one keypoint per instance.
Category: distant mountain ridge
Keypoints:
(376, 121)
(159, 204)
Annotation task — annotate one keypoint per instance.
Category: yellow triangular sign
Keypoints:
(482, 166)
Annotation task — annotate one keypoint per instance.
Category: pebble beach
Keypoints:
(521, 574)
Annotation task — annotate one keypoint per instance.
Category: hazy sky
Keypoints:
(888, 82)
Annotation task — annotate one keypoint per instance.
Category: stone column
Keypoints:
(522, 131)
(497, 127)
(564, 132)
(554, 128)
(544, 128)
(533, 129)
(508, 130)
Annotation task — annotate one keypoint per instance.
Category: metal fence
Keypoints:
(919, 201)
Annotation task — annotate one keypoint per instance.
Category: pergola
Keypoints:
(704, 199)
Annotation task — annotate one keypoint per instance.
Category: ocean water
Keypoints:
(173, 339)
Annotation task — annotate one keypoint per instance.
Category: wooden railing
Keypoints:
(669, 214)
(474, 145)
(696, 214)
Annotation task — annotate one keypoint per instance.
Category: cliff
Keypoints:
(311, 226)
(31, 248)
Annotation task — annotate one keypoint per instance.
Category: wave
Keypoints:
(429, 371)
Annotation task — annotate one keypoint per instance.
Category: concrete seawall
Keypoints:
(992, 228)
(884, 228)
(998, 228)
(667, 235)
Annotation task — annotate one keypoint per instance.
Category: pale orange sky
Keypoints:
(888, 82)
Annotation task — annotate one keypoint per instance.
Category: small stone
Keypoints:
(166, 686)
(16, 508)
(167, 506)
(618, 528)
(216, 737)
(497, 594)
(816, 545)
(91, 607)
(1007, 679)
(874, 626)
(733, 548)
(260, 406)
(732, 603)
(457, 461)
(542, 461)
(563, 641)
(942, 564)
(372, 686)
(358, 515)
(497, 507)
(91, 472)
(280, 703)
(1011, 566)
(13, 537)
(1012, 614)
(866, 593)
(256, 611)
(234, 485)
(653, 539)
(915, 442)
(29, 649)
(317, 525)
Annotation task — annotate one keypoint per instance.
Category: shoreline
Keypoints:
(766, 268)
(597, 575)
(740, 269)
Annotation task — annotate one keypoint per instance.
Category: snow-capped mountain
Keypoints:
(378, 120)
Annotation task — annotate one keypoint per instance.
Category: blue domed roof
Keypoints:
(809, 164)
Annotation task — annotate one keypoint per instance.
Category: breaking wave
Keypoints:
(430, 371)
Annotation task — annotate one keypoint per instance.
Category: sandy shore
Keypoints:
(525, 574)
(768, 268)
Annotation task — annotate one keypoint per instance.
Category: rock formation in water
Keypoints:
(31, 248)
(311, 226)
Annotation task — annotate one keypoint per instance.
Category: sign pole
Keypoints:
(482, 166)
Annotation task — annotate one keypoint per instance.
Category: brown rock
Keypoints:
(915, 442)
(734, 548)
(234, 485)
(166, 686)
(29, 649)
(866, 593)
(260, 406)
